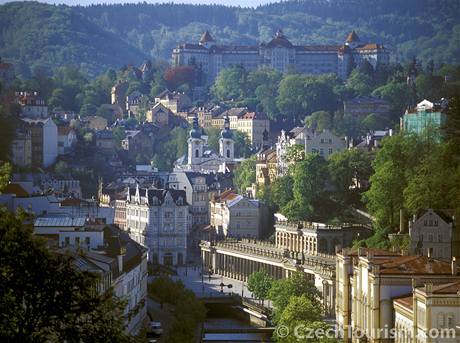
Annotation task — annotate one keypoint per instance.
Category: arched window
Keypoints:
(197, 153)
(228, 153)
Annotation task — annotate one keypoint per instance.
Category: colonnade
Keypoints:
(294, 241)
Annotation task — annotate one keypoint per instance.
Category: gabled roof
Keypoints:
(405, 301)
(16, 189)
(445, 215)
(254, 115)
(414, 265)
(447, 288)
(352, 37)
(279, 40)
(206, 37)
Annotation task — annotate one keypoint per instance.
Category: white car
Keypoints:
(155, 327)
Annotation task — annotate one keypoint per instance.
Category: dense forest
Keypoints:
(101, 36)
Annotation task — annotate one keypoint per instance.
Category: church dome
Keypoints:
(195, 132)
(226, 132)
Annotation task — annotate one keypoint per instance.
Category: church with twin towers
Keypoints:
(280, 54)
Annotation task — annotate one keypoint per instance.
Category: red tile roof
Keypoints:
(352, 37)
(17, 189)
(64, 130)
(254, 115)
(226, 195)
(447, 288)
(411, 265)
(406, 301)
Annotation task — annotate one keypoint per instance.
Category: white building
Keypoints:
(430, 314)
(44, 140)
(236, 216)
(159, 220)
(67, 139)
(323, 143)
(201, 158)
(280, 54)
(432, 234)
(107, 251)
(368, 280)
(32, 105)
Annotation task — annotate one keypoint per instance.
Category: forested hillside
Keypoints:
(110, 35)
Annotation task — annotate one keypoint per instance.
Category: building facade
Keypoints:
(323, 143)
(108, 252)
(280, 54)
(44, 137)
(432, 234)
(425, 114)
(367, 281)
(430, 309)
(21, 148)
(362, 106)
(32, 105)
(233, 215)
(159, 220)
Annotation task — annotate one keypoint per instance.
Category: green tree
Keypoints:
(361, 83)
(291, 100)
(245, 174)
(297, 285)
(259, 283)
(309, 178)
(295, 153)
(242, 144)
(230, 84)
(397, 94)
(385, 197)
(5, 174)
(300, 313)
(45, 298)
(350, 171)
(320, 121)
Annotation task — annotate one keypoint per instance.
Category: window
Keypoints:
(67, 240)
(228, 153)
(430, 237)
(330, 151)
(197, 153)
(77, 240)
(87, 240)
(450, 320)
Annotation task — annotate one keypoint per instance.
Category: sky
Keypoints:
(245, 3)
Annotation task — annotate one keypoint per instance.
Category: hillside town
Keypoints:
(347, 197)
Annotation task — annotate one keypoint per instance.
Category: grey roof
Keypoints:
(59, 221)
(160, 194)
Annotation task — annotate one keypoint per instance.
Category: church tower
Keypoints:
(195, 144)
(226, 143)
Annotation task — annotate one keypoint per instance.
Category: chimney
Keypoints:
(454, 265)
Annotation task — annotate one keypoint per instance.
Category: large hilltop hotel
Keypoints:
(281, 55)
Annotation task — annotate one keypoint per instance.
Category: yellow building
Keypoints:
(256, 126)
(368, 280)
(430, 314)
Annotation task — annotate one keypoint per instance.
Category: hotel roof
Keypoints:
(59, 221)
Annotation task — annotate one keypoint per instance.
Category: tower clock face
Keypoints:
(228, 143)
